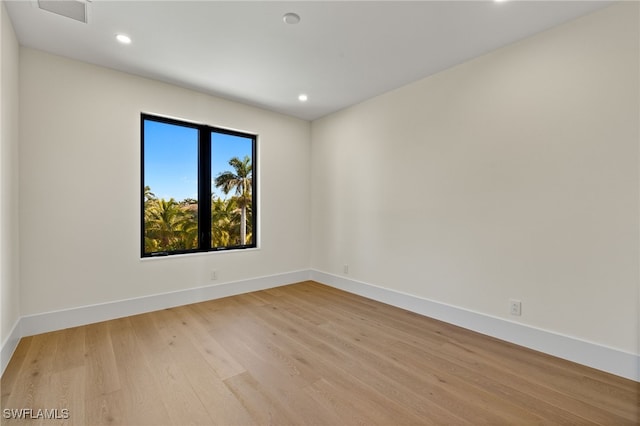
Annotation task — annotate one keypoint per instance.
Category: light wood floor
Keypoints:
(297, 355)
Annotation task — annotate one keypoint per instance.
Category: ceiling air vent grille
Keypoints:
(74, 9)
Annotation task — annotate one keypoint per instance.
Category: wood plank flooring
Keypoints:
(303, 354)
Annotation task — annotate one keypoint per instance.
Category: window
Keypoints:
(198, 188)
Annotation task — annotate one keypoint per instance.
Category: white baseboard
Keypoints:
(603, 358)
(58, 320)
(30, 325)
(586, 353)
(9, 345)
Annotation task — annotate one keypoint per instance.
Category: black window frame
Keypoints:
(204, 186)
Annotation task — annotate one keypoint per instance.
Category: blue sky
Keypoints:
(171, 158)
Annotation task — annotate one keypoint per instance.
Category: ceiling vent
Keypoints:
(74, 9)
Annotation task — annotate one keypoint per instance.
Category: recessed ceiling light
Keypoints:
(291, 18)
(303, 97)
(124, 39)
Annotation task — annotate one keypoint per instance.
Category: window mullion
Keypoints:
(204, 188)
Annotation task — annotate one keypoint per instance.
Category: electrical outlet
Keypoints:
(515, 307)
(214, 275)
(345, 269)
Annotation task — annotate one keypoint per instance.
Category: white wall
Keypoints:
(514, 175)
(9, 263)
(80, 187)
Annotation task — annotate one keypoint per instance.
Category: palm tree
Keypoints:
(240, 181)
(148, 195)
(151, 244)
(168, 223)
(221, 219)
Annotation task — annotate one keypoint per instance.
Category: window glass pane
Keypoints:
(231, 190)
(170, 187)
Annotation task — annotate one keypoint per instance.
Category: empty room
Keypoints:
(320, 212)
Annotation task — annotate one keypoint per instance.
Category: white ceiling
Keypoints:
(341, 52)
